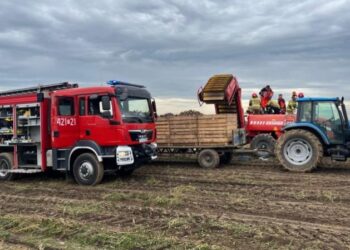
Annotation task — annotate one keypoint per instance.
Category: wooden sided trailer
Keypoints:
(212, 138)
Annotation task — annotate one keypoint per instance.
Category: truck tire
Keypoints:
(299, 150)
(264, 142)
(6, 163)
(87, 170)
(226, 158)
(209, 158)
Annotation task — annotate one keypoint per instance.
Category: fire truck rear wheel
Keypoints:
(87, 170)
(263, 142)
(209, 158)
(6, 163)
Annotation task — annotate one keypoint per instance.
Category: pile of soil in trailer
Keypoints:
(178, 206)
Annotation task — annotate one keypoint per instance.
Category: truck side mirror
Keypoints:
(106, 103)
(106, 107)
(154, 107)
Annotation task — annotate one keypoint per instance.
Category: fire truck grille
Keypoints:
(141, 135)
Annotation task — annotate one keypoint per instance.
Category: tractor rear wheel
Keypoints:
(209, 158)
(299, 150)
(263, 142)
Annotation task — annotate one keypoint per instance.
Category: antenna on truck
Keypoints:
(40, 88)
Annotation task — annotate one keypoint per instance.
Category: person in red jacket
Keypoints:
(282, 104)
(266, 95)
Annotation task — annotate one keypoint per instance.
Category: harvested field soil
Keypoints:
(245, 205)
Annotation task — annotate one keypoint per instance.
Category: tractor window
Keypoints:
(328, 119)
(66, 106)
(305, 109)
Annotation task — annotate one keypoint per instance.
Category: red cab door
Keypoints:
(105, 131)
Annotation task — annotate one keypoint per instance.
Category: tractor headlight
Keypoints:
(124, 155)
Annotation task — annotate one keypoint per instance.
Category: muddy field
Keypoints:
(245, 205)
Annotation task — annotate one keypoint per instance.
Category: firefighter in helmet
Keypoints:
(254, 105)
(292, 104)
(273, 107)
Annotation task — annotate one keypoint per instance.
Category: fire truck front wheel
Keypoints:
(6, 163)
(87, 170)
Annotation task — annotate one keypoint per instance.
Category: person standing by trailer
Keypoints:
(282, 104)
(254, 105)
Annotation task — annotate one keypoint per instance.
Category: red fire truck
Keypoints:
(84, 132)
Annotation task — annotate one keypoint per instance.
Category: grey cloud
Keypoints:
(174, 46)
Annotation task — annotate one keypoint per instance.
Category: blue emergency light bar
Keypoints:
(116, 83)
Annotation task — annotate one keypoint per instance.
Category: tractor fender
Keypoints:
(310, 127)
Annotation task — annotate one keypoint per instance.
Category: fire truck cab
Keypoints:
(85, 132)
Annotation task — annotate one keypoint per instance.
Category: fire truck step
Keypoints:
(24, 171)
(30, 166)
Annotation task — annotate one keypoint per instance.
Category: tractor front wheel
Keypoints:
(299, 150)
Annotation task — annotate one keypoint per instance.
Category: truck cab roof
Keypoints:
(318, 99)
(113, 90)
(85, 91)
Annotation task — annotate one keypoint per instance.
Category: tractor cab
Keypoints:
(321, 130)
(328, 116)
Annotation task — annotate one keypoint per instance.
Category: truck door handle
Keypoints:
(87, 132)
(56, 134)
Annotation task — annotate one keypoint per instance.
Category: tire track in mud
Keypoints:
(281, 207)
(157, 218)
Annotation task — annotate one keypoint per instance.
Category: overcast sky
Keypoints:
(174, 46)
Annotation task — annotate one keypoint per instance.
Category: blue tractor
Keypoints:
(321, 130)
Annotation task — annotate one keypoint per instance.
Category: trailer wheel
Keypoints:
(226, 158)
(6, 163)
(87, 170)
(299, 150)
(264, 142)
(209, 158)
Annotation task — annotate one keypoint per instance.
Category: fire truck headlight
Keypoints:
(124, 155)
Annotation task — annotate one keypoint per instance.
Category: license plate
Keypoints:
(143, 138)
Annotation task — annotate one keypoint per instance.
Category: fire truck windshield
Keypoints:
(136, 110)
